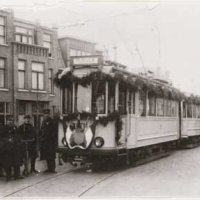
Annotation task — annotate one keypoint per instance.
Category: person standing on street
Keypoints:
(12, 156)
(28, 135)
(48, 142)
(1, 151)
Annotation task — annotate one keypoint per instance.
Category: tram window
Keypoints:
(167, 107)
(184, 110)
(194, 111)
(152, 105)
(98, 97)
(122, 99)
(129, 102)
(67, 100)
(174, 108)
(142, 103)
(189, 110)
(111, 97)
(198, 111)
(133, 102)
(160, 106)
(82, 98)
(197, 107)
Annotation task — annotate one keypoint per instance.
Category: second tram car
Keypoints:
(112, 114)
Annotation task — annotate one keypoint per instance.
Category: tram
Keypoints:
(190, 119)
(110, 114)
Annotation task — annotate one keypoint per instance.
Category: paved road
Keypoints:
(177, 175)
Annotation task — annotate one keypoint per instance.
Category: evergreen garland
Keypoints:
(103, 120)
(193, 99)
(128, 82)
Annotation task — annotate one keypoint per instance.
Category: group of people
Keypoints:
(23, 144)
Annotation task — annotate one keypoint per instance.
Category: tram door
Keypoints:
(126, 108)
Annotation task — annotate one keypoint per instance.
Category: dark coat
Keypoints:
(48, 139)
(27, 132)
(12, 146)
(1, 145)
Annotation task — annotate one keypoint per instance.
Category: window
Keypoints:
(184, 110)
(23, 35)
(131, 102)
(174, 108)
(194, 113)
(78, 53)
(198, 110)
(72, 52)
(2, 72)
(67, 100)
(98, 97)
(47, 41)
(4, 110)
(122, 99)
(82, 98)
(22, 108)
(37, 76)
(152, 105)
(50, 81)
(189, 110)
(2, 30)
(21, 74)
(160, 106)
(111, 97)
(167, 107)
(142, 103)
(37, 111)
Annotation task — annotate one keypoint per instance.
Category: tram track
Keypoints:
(39, 182)
(98, 182)
(81, 194)
(89, 187)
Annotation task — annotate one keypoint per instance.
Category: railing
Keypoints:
(31, 49)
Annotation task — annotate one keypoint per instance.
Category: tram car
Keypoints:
(190, 122)
(110, 114)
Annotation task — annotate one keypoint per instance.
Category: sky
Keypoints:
(147, 34)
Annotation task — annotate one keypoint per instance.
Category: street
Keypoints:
(177, 175)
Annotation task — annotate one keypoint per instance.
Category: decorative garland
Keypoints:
(193, 99)
(103, 120)
(128, 82)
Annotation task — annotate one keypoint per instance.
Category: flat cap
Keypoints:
(27, 116)
(46, 111)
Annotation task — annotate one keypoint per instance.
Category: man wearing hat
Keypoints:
(12, 149)
(48, 141)
(29, 138)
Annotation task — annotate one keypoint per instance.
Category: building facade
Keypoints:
(72, 46)
(29, 58)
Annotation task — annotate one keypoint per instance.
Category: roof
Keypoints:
(76, 38)
(33, 24)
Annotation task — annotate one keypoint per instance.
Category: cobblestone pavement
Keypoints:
(177, 175)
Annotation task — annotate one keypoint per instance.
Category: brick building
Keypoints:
(29, 58)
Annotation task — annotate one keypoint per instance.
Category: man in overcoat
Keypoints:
(12, 152)
(1, 151)
(28, 135)
(48, 141)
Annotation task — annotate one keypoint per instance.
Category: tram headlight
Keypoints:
(99, 142)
